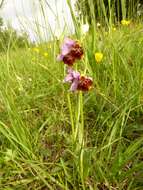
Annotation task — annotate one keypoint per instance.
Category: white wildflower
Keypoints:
(85, 28)
(98, 24)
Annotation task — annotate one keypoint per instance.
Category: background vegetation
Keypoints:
(108, 10)
(9, 38)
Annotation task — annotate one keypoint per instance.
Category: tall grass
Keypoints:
(53, 139)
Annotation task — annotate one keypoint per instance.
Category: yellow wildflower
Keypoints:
(98, 57)
(45, 54)
(125, 22)
(114, 29)
(36, 50)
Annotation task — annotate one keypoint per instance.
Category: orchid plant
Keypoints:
(71, 51)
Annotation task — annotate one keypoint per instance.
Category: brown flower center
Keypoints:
(85, 83)
(68, 59)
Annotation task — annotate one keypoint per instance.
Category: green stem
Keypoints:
(77, 119)
(81, 126)
(71, 114)
(81, 139)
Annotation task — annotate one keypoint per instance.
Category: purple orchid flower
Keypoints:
(66, 48)
(72, 77)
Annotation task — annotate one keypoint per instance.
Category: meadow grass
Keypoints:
(52, 139)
